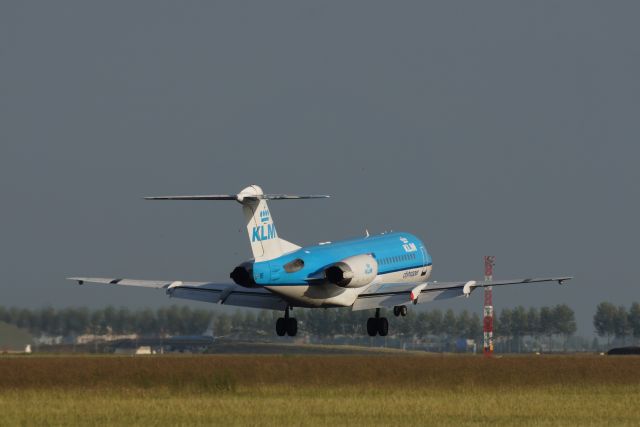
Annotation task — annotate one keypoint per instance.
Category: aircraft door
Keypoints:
(423, 253)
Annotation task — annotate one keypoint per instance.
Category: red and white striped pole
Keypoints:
(489, 262)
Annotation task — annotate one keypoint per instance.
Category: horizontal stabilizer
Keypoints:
(196, 197)
(241, 197)
(265, 242)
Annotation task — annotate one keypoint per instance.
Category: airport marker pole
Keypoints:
(489, 262)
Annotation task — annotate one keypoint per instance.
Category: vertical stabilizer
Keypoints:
(263, 237)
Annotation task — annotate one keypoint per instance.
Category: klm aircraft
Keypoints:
(388, 270)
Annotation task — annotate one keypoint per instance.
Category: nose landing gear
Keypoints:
(377, 325)
(286, 325)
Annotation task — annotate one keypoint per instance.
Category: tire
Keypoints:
(403, 310)
(396, 311)
(383, 326)
(372, 327)
(281, 327)
(292, 326)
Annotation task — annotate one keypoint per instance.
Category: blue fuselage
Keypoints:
(393, 252)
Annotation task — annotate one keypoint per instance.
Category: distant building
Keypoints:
(135, 351)
(14, 339)
(90, 338)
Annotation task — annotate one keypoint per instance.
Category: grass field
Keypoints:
(311, 390)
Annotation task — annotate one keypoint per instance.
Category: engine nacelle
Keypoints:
(243, 275)
(353, 272)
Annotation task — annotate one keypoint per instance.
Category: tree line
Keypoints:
(510, 325)
(109, 320)
(617, 322)
(514, 325)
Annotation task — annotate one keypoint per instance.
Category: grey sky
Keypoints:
(505, 128)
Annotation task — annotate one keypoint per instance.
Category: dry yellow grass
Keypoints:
(312, 390)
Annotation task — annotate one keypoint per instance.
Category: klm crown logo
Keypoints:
(264, 231)
(264, 215)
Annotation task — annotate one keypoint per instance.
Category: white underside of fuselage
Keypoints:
(330, 295)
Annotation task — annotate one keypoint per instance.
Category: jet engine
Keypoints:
(243, 275)
(353, 272)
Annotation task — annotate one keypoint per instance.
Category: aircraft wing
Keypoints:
(217, 293)
(393, 294)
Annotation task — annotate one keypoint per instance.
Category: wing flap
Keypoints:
(256, 300)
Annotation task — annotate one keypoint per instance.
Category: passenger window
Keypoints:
(293, 266)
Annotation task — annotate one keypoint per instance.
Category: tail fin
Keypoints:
(263, 237)
(265, 243)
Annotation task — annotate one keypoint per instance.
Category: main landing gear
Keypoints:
(377, 325)
(400, 310)
(286, 325)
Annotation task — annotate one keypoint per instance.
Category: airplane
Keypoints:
(389, 270)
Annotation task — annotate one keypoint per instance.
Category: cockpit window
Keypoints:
(293, 266)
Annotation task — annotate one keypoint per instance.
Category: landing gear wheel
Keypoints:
(292, 326)
(372, 326)
(396, 311)
(281, 327)
(383, 326)
(403, 310)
